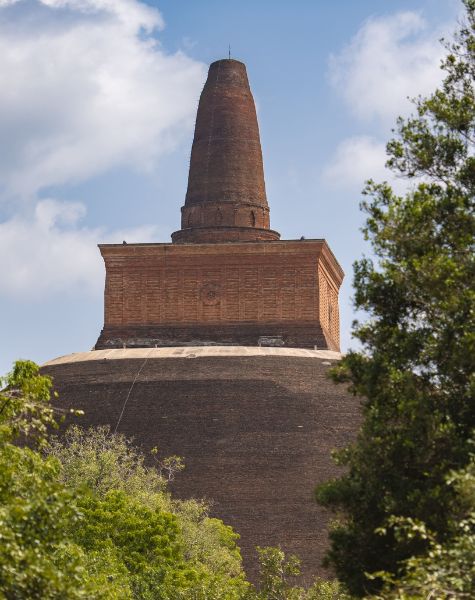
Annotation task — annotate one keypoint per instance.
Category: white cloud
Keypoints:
(85, 88)
(131, 13)
(356, 160)
(389, 59)
(51, 252)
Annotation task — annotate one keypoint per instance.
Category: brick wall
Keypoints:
(256, 434)
(284, 284)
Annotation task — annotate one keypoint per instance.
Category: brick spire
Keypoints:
(226, 197)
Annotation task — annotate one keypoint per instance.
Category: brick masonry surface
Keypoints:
(255, 432)
(229, 293)
(226, 195)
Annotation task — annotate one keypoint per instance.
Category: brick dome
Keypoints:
(255, 427)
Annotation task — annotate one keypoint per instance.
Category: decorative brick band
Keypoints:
(211, 235)
(289, 335)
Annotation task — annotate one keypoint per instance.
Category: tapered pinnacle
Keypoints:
(226, 188)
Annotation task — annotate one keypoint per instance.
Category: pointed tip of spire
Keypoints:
(227, 59)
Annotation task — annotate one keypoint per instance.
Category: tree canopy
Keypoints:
(415, 371)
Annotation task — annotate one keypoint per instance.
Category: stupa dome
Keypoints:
(255, 427)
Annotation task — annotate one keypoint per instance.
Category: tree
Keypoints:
(37, 558)
(163, 548)
(168, 549)
(276, 574)
(415, 372)
(84, 517)
(447, 570)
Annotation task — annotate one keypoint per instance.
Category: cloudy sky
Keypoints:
(97, 106)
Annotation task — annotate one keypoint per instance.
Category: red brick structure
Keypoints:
(177, 364)
(236, 294)
(226, 279)
(226, 197)
(255, 427)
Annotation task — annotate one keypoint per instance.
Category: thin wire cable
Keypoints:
(130, 391)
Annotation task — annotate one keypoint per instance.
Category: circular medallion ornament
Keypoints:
(210, 293)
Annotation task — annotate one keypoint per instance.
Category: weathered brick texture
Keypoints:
(165, 294)
(226, 195)
(256, 434)
(255, 431)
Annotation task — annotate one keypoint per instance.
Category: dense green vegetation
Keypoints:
(398, 514)
(447, 569)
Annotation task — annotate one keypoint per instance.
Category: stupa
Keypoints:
(216, 347)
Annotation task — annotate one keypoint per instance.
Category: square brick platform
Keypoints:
(240, 293)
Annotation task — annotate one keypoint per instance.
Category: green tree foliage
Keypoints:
(25, 408)
(97, 461)
(277, 574)
(169, 548)
(447, 570)
(37, 558)
(86, 518)
(415, 372)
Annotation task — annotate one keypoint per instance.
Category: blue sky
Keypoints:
(96, 122)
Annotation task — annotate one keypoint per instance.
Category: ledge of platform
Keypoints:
(192, 352)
